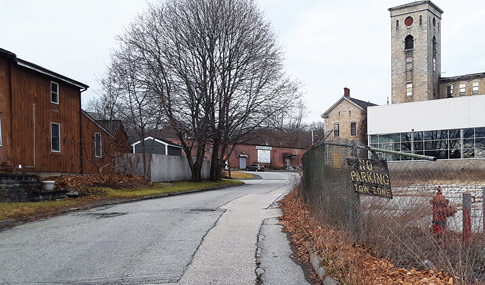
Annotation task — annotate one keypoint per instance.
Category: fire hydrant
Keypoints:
(441, 212)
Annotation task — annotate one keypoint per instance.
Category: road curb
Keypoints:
(315, 261)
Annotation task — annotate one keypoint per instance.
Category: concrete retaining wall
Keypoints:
(159, 167)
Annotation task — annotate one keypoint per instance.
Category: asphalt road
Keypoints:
(227, 236)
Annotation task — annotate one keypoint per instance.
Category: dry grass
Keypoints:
(99, 195)
(344, 260)
(238, 175)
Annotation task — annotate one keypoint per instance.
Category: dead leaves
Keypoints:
(84, 183)
(345, 261)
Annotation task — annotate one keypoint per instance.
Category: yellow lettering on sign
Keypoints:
(354, 175)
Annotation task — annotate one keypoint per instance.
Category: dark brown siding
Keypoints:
(31, 106)
(122, 143)
(92, 164)
(5, 107)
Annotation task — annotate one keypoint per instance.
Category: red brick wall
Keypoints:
(276, 156)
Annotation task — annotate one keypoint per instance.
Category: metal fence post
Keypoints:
(467, 224)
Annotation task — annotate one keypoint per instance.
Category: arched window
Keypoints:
(420, 20)
(409, 42)
(397, 24)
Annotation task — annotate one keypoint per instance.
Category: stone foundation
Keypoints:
(24, 188)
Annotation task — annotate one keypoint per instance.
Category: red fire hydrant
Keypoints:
(441, 211)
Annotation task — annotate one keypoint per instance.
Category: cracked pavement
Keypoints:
(227, 236)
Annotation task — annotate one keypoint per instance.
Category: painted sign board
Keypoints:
(370, 177)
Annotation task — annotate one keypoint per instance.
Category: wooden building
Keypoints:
(42, 126)
(157, 146)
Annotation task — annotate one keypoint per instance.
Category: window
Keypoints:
(449, 91)
(434, 44)
(397, 24)
(54, 92)
(336, 131)
(420, 20)
(462, 89)
(55, 137)
(353, 129)
(475, 88)
(409, 89)
(409, 42)
(408, 21)
(409, 63)
(434, 64)
(98, 145)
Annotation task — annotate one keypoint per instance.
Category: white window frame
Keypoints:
(59, 138)
(100, 145)
(462, 89)
(409, 89)
(475, 89)
(56, 93)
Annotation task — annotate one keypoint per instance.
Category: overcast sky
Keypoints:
(328, 44)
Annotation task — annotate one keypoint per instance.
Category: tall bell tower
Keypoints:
(415, 51)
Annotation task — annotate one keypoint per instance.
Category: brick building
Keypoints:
(347, 118)
(272, 157)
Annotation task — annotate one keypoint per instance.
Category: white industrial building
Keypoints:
(446, 128)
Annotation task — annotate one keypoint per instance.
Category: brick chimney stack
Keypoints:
(346, 92)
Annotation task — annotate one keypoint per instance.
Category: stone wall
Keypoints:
(423, 72)
(17, 187)
(24, 188)
(344, 114)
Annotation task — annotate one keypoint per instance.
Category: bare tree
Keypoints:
(216, 70)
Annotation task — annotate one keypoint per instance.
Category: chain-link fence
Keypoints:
(407, 228)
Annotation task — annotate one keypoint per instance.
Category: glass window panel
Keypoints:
(480, 132)
(468, 143)
(469, 153)
(374, 139)
(389, 138)
(454, 144)
(440, 144)
(431, 153)
(390, 146)
(406, 146)
(443, 134)
(375, 145)
(480, 152)
(405, 137)
(454, 134)
(418, 146)
(418, 136)
(468, 133)
(430, 135)
(479, 142)
(455, 153)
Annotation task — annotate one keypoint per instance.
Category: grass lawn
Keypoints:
(237, 175)
(35, 210)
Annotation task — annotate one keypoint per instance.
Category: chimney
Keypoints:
(346, 92)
